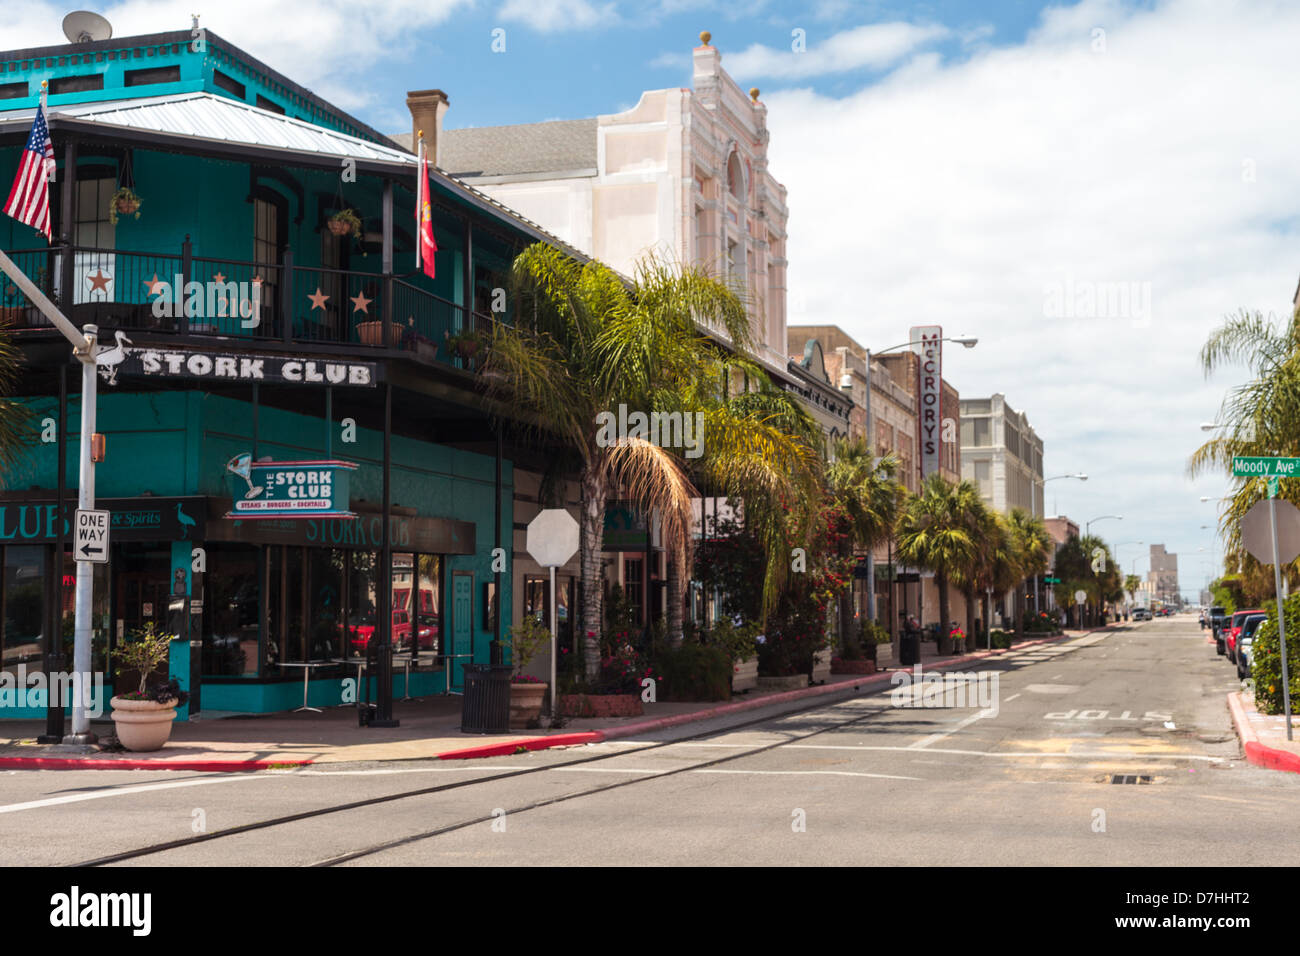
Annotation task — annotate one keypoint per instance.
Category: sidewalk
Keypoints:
(430, 728)
(1263, 738)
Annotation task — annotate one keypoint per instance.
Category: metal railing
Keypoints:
(280, 302)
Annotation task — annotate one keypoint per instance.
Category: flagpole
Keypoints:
(419, 197)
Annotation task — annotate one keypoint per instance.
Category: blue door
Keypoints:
(462, 626)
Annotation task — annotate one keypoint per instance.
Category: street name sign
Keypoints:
(91, 542)
(1248, 466)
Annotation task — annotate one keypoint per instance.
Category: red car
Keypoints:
(362, 628)
(1232, 631)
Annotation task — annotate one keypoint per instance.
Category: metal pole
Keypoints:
(54, 722)
(1281, 612)
(384, 665)
(554, 697)
(85, 571)
(496, 653)
(871, 553)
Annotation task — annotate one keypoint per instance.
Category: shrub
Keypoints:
(1001, 638)
(737, 643)
(524, 640)
(147, 651)
(1266, 658)
(695, 672)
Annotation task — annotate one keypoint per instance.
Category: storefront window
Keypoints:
(362, 595)
(230, 612)
(24, 604)
(325, 605)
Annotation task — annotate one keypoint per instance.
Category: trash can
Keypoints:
(485, 706)
(909, 648)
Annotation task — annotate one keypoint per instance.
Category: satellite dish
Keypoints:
(82, 26)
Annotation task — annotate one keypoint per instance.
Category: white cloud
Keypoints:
(549, 16)
(961, 194)
(873, 46)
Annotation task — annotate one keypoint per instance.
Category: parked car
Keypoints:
(1141, 614)
(1246, 644)
(1217, 618)
(361, 628)
(1232, 628)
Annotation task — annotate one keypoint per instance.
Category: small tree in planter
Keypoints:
(525, 639)
(144, 716)
(124, 203)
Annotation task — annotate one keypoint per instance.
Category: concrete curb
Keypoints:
(1257, 753)
(109, 763)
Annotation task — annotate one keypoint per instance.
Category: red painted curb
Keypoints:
(528, 743)
(1262, 756)
(90, 763)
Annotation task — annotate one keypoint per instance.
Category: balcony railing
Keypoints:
(279, 302)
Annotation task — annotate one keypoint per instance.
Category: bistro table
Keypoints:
(306, 675)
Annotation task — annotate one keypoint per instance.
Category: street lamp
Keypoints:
(1080, 476)
(1087, 526)
(966, 341)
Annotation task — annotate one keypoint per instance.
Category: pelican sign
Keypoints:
(288, 489)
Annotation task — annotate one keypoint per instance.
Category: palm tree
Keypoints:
(1260, 417)
(934, 532)
(1033, 548)
(584, 343)
(871, 496)
(1131, 583)
(15, 417)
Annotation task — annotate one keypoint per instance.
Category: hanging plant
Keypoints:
(345, 222)
(124, 203)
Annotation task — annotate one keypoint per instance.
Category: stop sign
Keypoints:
(552, 537)
(1257, 531)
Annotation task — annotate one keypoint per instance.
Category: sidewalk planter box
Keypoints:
(852, 667)
(788, 682)
(142, 725)
(601, 705)
(525, 704)
(744, 675)
(821, 666)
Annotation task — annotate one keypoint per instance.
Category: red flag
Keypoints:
(424, 217)
(29, 199)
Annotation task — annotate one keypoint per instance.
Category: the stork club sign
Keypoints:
(161, 362)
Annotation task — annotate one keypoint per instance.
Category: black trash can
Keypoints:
(909, 648)
(485, 707)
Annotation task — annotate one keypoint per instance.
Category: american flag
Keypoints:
(29, 200)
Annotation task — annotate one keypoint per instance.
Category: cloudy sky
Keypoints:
(1089, 188)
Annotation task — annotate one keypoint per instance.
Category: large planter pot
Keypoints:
(371, 333)
(601, 705)
(744, 675)
(786, 682)
(143, 725)
(852, 667)
(821, 666)
(525, 704)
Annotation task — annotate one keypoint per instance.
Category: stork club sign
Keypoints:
(125, 358)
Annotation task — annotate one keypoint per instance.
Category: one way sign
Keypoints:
(92, 536)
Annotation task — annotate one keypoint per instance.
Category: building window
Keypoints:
(229, 84)
(160, 74)
(13, 91)
(975, 433)
(77, 84)
(265, 104)
(736, 177)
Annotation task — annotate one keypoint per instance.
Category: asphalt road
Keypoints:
(1112, 749)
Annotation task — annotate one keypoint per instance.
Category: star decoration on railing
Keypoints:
(360, 303)
(153, 284)
(318, 300)
(99, 282)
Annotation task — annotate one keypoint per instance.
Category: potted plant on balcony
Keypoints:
(144, 716)
(124, 203)
(345, 222)
(465, 343)
(524, 640)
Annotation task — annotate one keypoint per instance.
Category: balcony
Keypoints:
(271, 304)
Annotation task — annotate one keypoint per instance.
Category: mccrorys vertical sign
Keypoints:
(928, 343)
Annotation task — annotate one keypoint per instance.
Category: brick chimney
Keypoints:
(427, 108)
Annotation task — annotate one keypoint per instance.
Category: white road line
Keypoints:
(1014, 696)
(1090, 755)
(813, 773)
(127, 791)
(935, 738)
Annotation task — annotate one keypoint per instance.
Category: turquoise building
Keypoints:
(271, 364)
